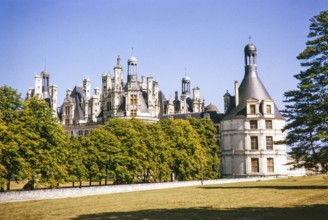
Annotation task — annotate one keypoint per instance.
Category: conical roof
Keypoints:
(250, 87)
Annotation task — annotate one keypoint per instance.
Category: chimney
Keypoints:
(236, 93)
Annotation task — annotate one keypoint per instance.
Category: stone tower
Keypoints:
(251, 127)
(44, 90)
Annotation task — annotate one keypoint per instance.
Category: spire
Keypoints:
(118, 60)
(251, 86)
(118, 64)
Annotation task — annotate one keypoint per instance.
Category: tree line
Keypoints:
(35, 147)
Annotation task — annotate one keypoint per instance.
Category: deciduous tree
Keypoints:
(210, 161)
(186, 150)
(12, 161)
(47, 143)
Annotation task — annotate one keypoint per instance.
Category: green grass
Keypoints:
(292, 198)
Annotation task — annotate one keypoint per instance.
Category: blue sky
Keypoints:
(204, 39)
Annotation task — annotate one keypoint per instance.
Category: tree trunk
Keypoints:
(99, 181)
(90, 181)
(8, 186)
(80, 183)
(73, 184)
(106, 176)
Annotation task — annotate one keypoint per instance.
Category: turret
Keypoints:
(132, 69)
(185, 90)
(106, 83)
(226, 100)
(86, 87)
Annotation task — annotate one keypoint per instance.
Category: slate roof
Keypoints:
(250, 87)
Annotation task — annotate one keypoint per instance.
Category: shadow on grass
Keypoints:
(265, 187)
(208, 213)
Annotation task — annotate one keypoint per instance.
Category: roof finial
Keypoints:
(45, 63)
(132, 51)
(118, 60)
(250, 39)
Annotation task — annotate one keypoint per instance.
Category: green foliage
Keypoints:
(158, 153)
(210, 160)
(35, 147)
(47, 147)
(186, 149)
(131, 162)
(306, 111)
(105, 151)
(76, 167)
(12, 162)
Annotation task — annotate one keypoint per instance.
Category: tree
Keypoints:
(46, 146)
(131, 162)
(185, 147)
(76, 168)
(306, 111)
(158, 154)
(12, 161)
(108, 149)
(210, 161)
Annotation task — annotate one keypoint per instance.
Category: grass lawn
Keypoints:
(292, 198)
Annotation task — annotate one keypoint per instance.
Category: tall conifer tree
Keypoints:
(307, 106)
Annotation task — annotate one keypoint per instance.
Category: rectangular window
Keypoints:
(253, 124)
(80, 133)
(133, 113)
(86, 132)
(268, 109)
(66, 121)
(67, 110)
(255, 165)
(252, 109)
(270, 165)
(269, 143)
(133, 100)
(268, 124)
(254, 143)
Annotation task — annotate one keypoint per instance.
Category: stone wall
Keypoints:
(97, 190)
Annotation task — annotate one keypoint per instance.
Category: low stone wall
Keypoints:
(97, 190)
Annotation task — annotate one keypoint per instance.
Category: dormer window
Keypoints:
(268, 109)
(252, 109)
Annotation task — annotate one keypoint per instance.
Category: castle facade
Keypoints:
(249, 130)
